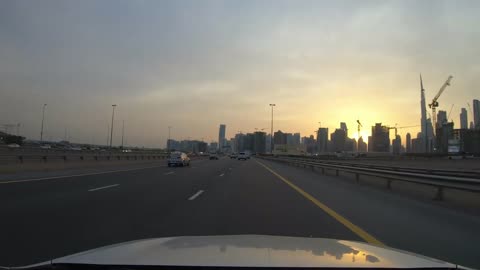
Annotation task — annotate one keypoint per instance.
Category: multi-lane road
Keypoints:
(47, 216)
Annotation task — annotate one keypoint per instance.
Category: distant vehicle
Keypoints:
(213, 156)
(75, 148)
(126, 150)
(243, 156)
(13, 145)
(178, 159)
(233, 155)
(45, 146)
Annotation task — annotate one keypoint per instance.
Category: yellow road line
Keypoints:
(354, 228)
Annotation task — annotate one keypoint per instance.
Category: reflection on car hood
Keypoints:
(251, 251)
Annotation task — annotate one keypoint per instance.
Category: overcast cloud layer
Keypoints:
(196, 64)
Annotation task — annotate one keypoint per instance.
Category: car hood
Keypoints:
(251, 251)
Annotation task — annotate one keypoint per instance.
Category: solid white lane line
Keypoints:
(95, 189)
(222, 174)
(168, 173)
(75, 175)
(195, 195)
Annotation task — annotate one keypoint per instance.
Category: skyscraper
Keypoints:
(423, 110)
(464, 119)
(296, 138)
(380, 138)
(339, 138)
(476, 113)
(221, 136)
(279, 137)
(441, 118)
(259, 142)
(289, 138)
(343, 126)
(361, 145)
(409, 143)
(396, 145)
(322, 140)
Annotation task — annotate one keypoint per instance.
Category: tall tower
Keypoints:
(463, 119)
(423, 121)
(423, 108)
(221, 137)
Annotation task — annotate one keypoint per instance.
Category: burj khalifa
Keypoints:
(426, 123)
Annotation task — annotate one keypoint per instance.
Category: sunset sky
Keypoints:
(196, 64)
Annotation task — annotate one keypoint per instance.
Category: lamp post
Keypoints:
(123, 130)
(271, 130)
(43, 119)
(168, 141)
(111, 126)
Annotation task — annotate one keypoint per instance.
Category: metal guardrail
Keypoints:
(440, 172)
(68, 157)
(438, 181)
(4, 150)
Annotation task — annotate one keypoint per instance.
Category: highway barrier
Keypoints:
(20, 158)
(439, 179)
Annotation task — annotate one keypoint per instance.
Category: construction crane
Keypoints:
(396, 128)
(359, 126)
(434, 103)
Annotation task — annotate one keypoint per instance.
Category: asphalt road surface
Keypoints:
(43, 218)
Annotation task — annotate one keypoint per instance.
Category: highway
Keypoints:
(45, 216)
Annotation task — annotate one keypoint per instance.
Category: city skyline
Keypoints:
(317, 61)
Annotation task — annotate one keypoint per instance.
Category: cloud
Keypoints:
(194, 65)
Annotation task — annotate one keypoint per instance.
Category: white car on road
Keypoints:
(178, 159)
(243, 156)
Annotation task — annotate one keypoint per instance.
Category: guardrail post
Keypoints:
(65, 158)
(389, 183)
(81, 157)
(20, 158)
(439, 194)
(128, 158)
(44, 158)
(95, 157)
(357, 177)
(336, 172)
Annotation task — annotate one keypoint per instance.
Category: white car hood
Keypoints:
(251, 251)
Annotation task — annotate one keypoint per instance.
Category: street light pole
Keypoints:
(43, 119)
(123, 130)
(168, 141)
(271, 131)
(111, 126)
